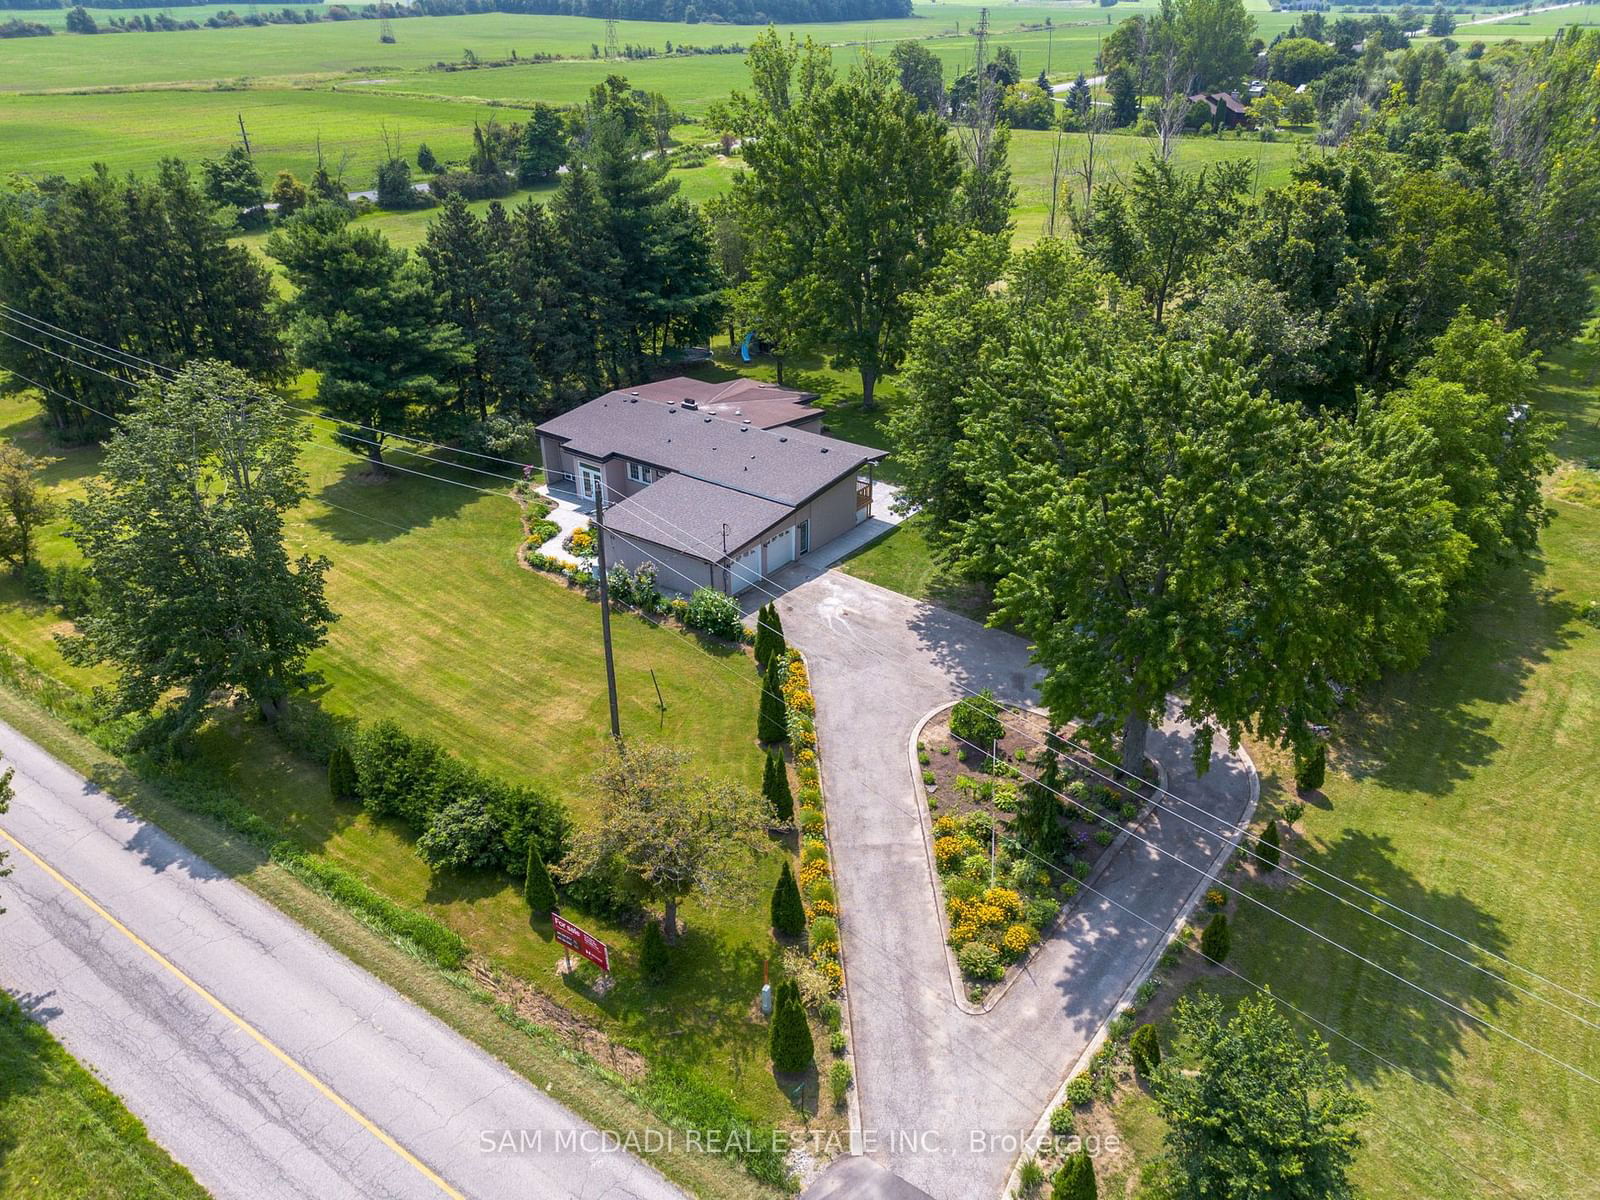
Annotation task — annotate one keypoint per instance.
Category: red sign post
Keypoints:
(586, 944)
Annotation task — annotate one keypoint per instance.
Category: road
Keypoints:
(267, 1063)
(946, 1094)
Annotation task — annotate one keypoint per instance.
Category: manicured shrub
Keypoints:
(1267, 848)
(790, 1037)
(980, 961)
(823, 930)
(838, 1043)
(769, 643)
(977, 720)
(1062, 1122)
(812, 821)
(839, 1077)
(341, 774)
(1080, 1090)
(772, 725)
(537, 888)
(775, 787)
(1075, 1179)
(1293, 811)
(1216, 940)
(713, 612)
(1145, 1047)
(1311, 770)
(654, 961)
(788, 913)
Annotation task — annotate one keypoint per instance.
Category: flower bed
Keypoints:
(1009, 854)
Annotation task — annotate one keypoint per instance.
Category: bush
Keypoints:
(341, 774)
(1030, 1179)
(1062, 1122)
(1293, 811)
(1267, 847)
(437, 944)
(790, 1038)
(976, 720)
(838, 1043)
(537, 889)
(713, 612)
(654, 963)
(1075, 1179)
(1216, 940)
(788, 913)
(839, 1077)
(462, 834)
(775, 787)
(824, 929)
(980, 961)
(1311, 770)
(1080, 1090)
(1145, 1047)
(812, 820)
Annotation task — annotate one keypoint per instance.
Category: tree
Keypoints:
(1268, 848)
(976, 720)
(772, 717)
(1145, 1046)
(232, 181)
(1216, 939)
(788, 910)
(654, 961)
(852, 188)
(790, 1037)
(1300, 60)
(763, 642)
(365, 317)
(1216, 39)
(1038, 825)
(1074, 1179)
(537, 888)
(775, 787)
(921, 75)
(1311, 768)
(393, 186)
(289, 194)
(80, 21)
(1441, 24)
(1124, 97)
(342, 784)
(544, 146)
(1258, 1112)
(1156, 233)
(183, 533)
(24, 504)
(425, 159)
(664, 834)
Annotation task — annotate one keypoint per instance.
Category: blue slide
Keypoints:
(747, 347)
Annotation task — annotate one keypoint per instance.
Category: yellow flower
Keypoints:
(1007, 901)
(1017, 939)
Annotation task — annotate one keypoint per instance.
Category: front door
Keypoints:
(588, 481)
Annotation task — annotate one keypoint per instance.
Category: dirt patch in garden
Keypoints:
(534, 1006)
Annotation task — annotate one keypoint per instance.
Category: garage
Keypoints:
(780, 550)
(744, 572)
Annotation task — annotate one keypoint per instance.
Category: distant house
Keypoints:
(1225, 107)
(719, 485)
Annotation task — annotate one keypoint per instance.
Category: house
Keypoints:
(1225, 108)
(718, 485)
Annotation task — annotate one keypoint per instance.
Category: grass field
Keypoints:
(440, 630)
(1468, 793)
(62, 1134)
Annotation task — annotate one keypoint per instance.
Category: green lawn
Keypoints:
(901, 561)
(62, 1134)
(441, 630)
(1466, 792)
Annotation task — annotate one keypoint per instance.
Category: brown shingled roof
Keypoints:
(765, 404)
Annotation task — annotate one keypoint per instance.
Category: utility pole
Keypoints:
(605, 606)
(245, 137)
(613, 50)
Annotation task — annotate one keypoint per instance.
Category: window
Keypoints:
(803, 537)
(640, 473)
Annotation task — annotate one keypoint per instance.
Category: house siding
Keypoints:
(675, 570)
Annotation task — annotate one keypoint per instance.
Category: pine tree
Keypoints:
(1215, 940)
(775, 787)
(1075, 1180)
(544, 146)
(1267, 848)
(780, 647)
(341, 774)
(763, 643)
(788, 910)
(592, 278)
(1145, 1047)
(537, 888)
(1039, 823)
(654, 960)
(1311, 770)
(790, 1040)
(772, 721)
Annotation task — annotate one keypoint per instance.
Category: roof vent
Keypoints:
(707, 420)
(690, 402)
(782, 438)
(824, 449)
(670, 409)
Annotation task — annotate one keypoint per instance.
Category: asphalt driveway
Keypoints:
(946, 1095)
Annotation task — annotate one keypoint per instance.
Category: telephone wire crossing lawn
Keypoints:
(586, 944)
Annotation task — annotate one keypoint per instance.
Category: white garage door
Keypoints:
(745, 570)
(780, 550)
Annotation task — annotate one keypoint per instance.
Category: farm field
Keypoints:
(59, 1124)
(1468, 793)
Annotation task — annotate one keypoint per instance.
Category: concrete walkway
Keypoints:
(946, 1096)
(268, 1064)
(570, 513)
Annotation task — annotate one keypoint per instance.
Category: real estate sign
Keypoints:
(586, 944)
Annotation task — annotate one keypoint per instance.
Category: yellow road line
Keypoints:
(222, 1008)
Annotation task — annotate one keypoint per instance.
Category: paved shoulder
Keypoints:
(264, 1061)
